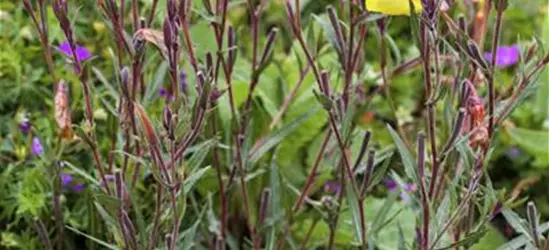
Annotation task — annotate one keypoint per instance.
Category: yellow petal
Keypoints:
(392, 7)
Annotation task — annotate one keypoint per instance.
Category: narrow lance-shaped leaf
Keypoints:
(356, 212)
(94, 239)
(407, 159)
(195, 177)
(278, 136)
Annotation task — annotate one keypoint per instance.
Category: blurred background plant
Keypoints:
(46, 179)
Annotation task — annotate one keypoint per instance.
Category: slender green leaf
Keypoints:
(141, 225)
(356, 211)
(442, 211)
(275, 210)
(82, 173)
(152, 88)
(274, 139)
(379, 221)
(407, 158)
(535, 142)
(195, 177)
(520, 241)
(189, 235)
(96, 240)
(467, 241)
(200, 154)
(516, 222)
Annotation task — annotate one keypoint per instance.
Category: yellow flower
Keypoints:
(393, 7)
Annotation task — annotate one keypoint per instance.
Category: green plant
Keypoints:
(266, 124)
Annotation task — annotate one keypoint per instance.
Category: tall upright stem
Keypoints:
(491, 79)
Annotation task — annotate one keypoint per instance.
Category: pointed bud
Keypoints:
(532, 215)
(363, 148)
(474, 52)
(231, 41)
(201, 82)
(118, 184)
(465, 92)
(325, 82)
(263, 206)
(124, 82)
(167, 118)
(172, 9)
(209, 64)
(530, 53)
(147, 127)
(368, 173)
(168, 33)
(336, 26)
(267, 51)
(62, 111)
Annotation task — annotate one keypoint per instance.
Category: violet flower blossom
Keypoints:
(67, 181)
(25, 125)
(36, 147)
(505, 55)
(82, 53)
(78, 187)
(332, 187)
(408, 188)
(164, 93)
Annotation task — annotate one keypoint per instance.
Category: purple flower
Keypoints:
(408, 188)
(164, 93)
(505, 55)
(332, 187)
(25, 126)
(81, 53)
(67, 182)
(78, 187)
(391, 184)
(66, 179)
(37, 148)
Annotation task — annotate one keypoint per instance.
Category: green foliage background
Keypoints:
(521, 158)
